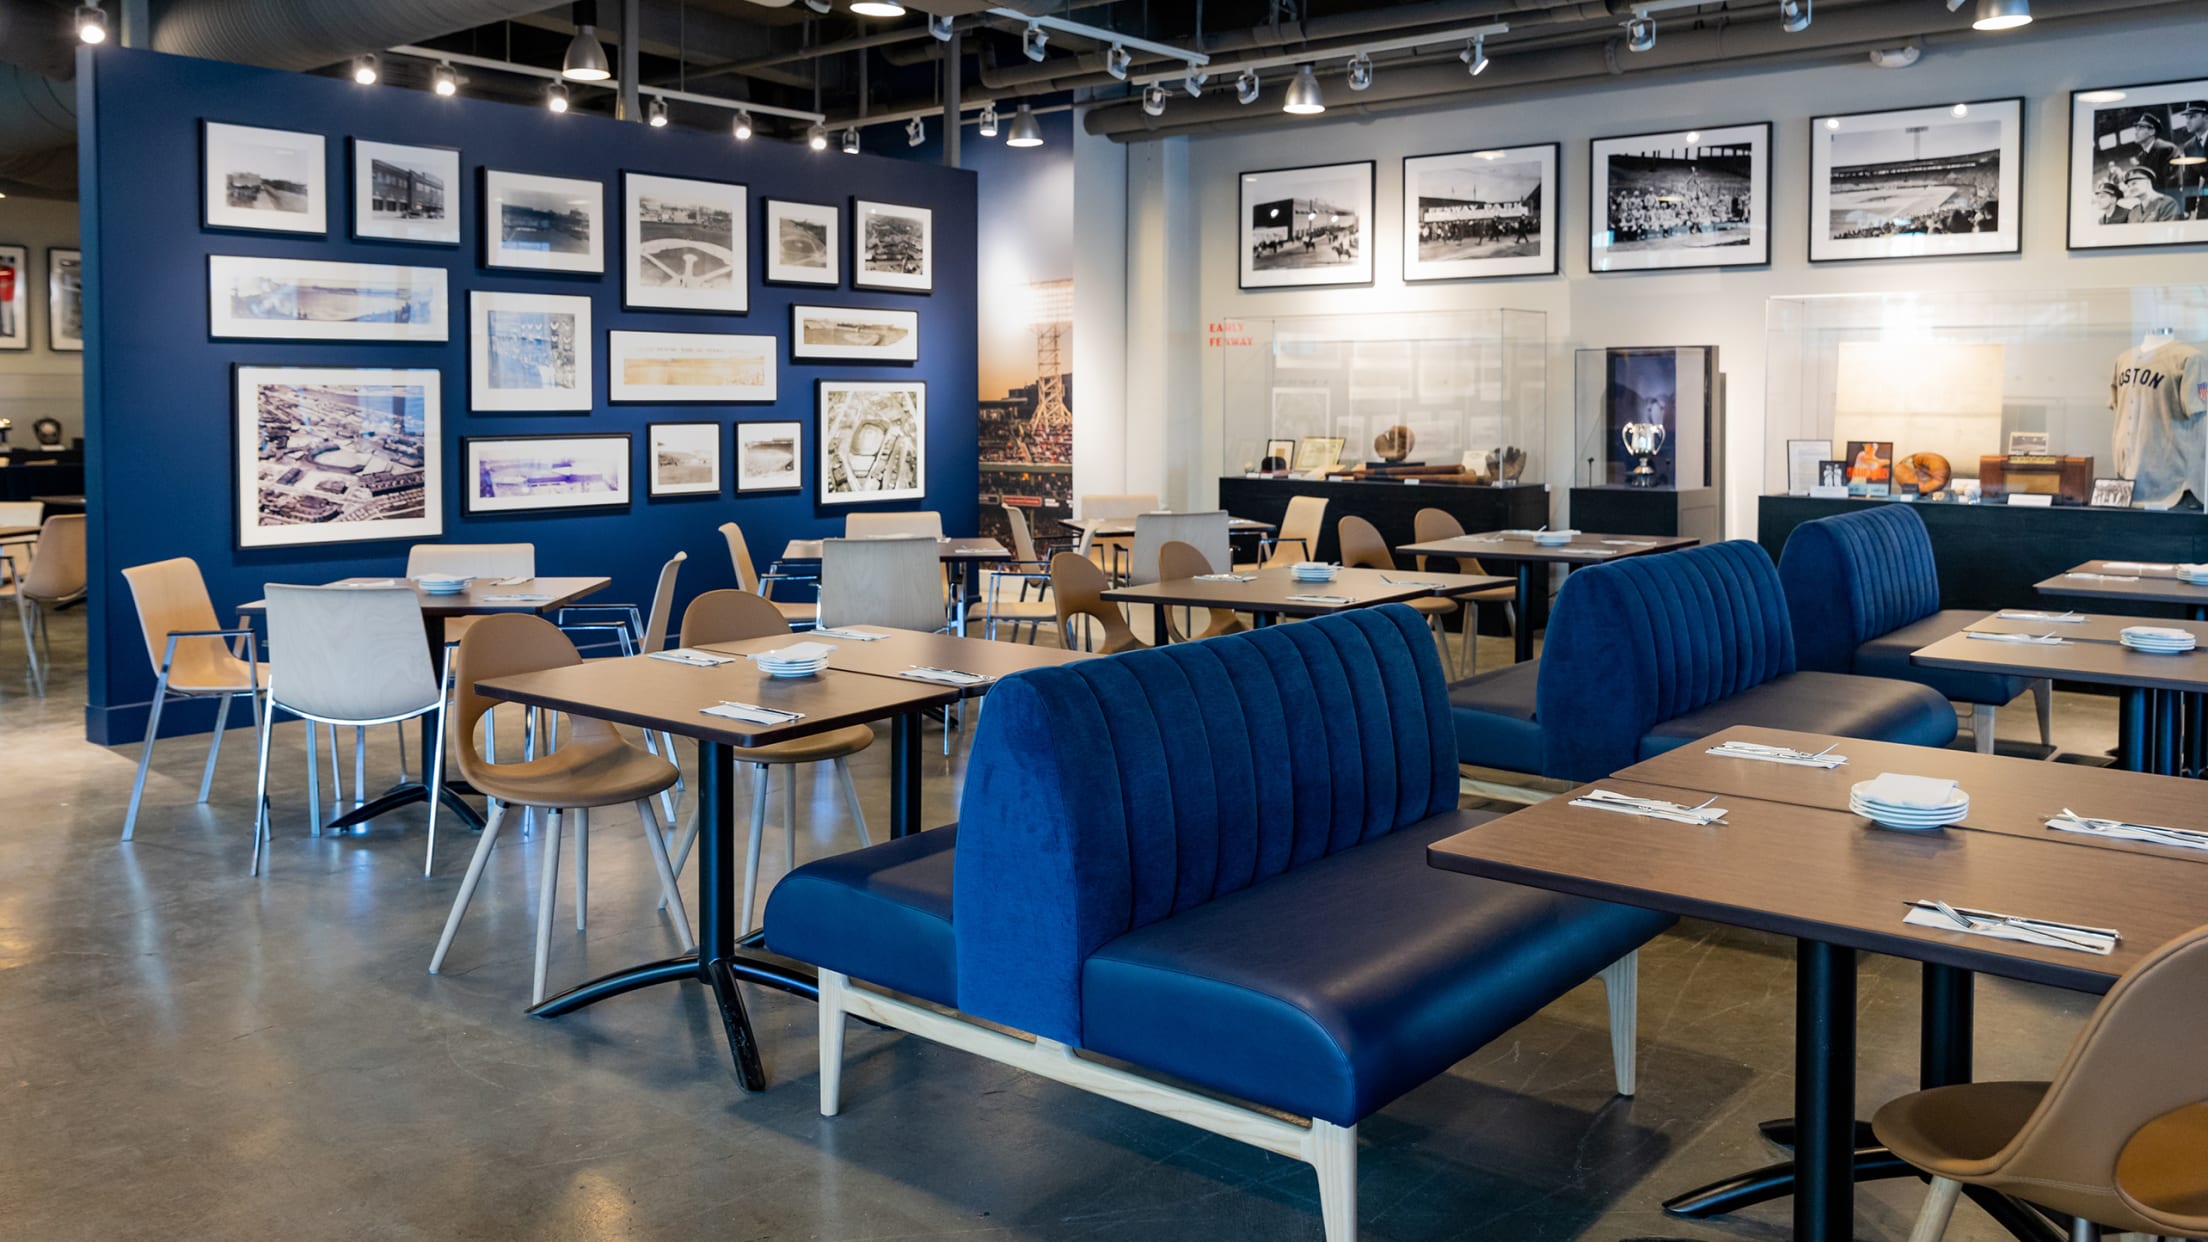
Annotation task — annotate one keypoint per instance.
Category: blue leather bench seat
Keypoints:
(882, 914)
(1835, 703)
(1887, 655)
(1493, 713)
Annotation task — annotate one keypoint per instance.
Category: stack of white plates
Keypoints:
(779, 664)
(2159, 639)
(1553, 538)
(2195, 575)
(1911, 818)
(1313, 571)
(440, 584)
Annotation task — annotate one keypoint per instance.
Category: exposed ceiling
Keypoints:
(781, 53)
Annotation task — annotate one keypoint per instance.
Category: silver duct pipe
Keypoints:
(307, 34)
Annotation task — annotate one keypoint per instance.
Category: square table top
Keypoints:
(2085, 627)
(904, 649)
(18, 532)
(1586, 547)
(1123, 527)
(976, 549)
(476, 599)
(2099, 663)
(1269, 589)
(2155, 583)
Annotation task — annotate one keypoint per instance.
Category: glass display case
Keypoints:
(1963, 396)
(1457, 397)
(1647, 417)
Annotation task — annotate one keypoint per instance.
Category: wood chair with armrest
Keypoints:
(190, 661)
(1433, 524)
(1298, 537)
(1028, 574)
(804, 615)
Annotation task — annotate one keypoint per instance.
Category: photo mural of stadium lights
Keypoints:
(1794, 16)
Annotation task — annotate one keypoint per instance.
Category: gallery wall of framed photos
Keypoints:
(329, 321)
(37, 380)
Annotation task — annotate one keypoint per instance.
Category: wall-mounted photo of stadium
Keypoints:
(853, 334)
(515, 474)
(406, 194)
(1940, 180)
(686, 244)
(312, 300)
(1307, 226)
(1688, 198)
(331, 455)
(804, 244)
(689, 366)
(1470, 214)
(528, 351)
(266, 180)
(543, 224)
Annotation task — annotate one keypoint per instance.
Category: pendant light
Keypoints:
(878, 8)
(2002, 14)
(586, 58)
(1024, 132)
(1304, 97)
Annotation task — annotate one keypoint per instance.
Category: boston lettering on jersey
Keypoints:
(2141, 376)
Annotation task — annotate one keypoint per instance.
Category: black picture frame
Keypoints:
(2012, 209)
(453, 209)
(1242, 241)
(472, 506)
(55, 342)
(2191, 88)
(836, 245)
(1596, 185)
(1552, 211)
(796, 471)
(855, 227)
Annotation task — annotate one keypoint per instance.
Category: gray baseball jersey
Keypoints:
(2160, 397)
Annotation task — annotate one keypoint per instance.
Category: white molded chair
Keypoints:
(190, 661)
(56, 577)
(1206, 532)
(915, 522)
(1027, 574)
(896, 582)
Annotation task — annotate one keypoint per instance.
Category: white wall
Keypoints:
(1100, 313)
(1721, 308)
(35, 382)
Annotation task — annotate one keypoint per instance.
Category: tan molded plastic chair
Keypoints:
(2162, 1174)
(1077, 587)
(345, 656)
(912, 524)
(762, 585)
(1206, 532)
(2059, 1144)
(1298, 538)
(1181, 560)
(734, 617)
(1363, 548)
(593, 767)
(897, 582)
(185, 646)
(1017, 592)
(56, 577)
(1431, 525)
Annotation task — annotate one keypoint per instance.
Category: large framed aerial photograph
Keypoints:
(528, 351)
(543, 224)
(1475, 214)
(689, 366)
(526, 474)
(270, 180)
(1686, 198)
(1917, 183)
(687, 242)
(804, 243)
(892, 247)
(1307, 226)
(318, 300)
(873, 440)
(2139, 165)
(406, 194)
(853, 334)
(65, 300)
(15, 297)
(684, 459)
(767, 457)
(338, 455)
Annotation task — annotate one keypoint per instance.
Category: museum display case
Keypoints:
(1648, 428)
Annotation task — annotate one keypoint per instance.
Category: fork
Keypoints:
(2030, 927)
(2167, 834)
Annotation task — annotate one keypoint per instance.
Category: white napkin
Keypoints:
(1894, 790)
(1677, 813)
(516, 599)
(692, 656)
(1774, 754)
(2044, 640)
(2190, 570)
(2103, 577)
(1631, 543)
(2101, 941)
(1323, 599)
(2067, 618)
(1226, 578)
(2135, 566)
(751, 713)
(856, 636)
(947, 676)
(516, 580)
(797, 653)
(374, 582)
(2180, 838)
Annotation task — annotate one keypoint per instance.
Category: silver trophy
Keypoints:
(1643, 441)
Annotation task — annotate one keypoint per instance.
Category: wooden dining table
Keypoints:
(2129, 582)
(1518, 547)
(1270, 594)
(960, 558)
(897, 653)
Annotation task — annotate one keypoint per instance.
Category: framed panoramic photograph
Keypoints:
(1687, 198)
(1307, 226)
(873, 440)
(767, 457)
(1917, 183)
(2139, 165)
(524, 474)
(687, 242)
(406, 194)
(543, 224)
(65, 301)
(684, 459)
(270, 180)
(338, 455)
(804, 243)
(15, 297)
(892, 247)
(689, 366)
(317, 300)
(853, 334)
(528, 351)
(1481, 213)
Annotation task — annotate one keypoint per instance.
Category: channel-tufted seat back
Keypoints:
(1107, 795)
(1852, 577)
(1636, 642)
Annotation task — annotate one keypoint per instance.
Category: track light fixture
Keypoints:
(444, 79)
(1360, 72)
(1474, 55)
(1153, 99)
(1246, 87)
(586, 58)
(1193, 81)
(851, 142)
(987, 127)
(1034, 41)
(1640, 33)
(366, 69)
(816, 136)
(91, 23)
(742, 128)
(555, 96)
(2002, 14)
(916, 132)
(1117, 60)
(1794, 15)
(655, 113)
(1304, 97)
(877, 8)
(1024, 132)
(940, 29)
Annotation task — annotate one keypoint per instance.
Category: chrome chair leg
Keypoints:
(360, 765)
(314, 779)
(145, 753)
(436, 795)
(214, 747)
(261, 817)
(751, 855)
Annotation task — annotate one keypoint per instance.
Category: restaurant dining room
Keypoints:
(1702, 500)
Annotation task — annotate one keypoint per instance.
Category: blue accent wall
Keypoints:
(158, 389)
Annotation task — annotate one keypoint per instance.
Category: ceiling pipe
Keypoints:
(307, 34)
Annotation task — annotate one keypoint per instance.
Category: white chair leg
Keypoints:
(1441, 640)
(214, 747)
(2043, 698)
(670, 893)
(261, 817)
(1939, 1206)
(1467, 640)
(789, 820)
(436, 785)
(831, 1042)
(360, 765)
(1333, 1155)
(398, 737)
(337, 776)
(1981, 727)
(467, 885)
(758, 829)
(548, 891)
(851, 798)
(145, 754)
(582, 865)
(1621, 980)
(314, 779)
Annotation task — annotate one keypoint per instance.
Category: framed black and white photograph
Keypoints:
(406, 194)
(270, 180)
(65, 300)
(892, 247)
(15, 297)
(1917, 183)
(528, 351)
(804, 243)
(543, 224)
(687, 242)
(319, 300)
(668, 367)
(2112, 493)
(768, 457)
(524, 474)
(1686, 198)
(338, 455)
(853, 334)
(1804, 460)
(1473, 214)
(873, 440)
(1306, 226)
(2139, 165)
(683, 459)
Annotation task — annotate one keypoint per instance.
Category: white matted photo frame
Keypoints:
(1916, 183)
(2139, 165)
(528, 351)
(265, 180)
(853, 334)
(682, 459)
(892, 247)
(688, 242)
(338, 455)
(64, 300)
(406, 193)
(873, 440)
(534, 223)
(1305, 226)
(525, 474)
(803, 243)
(1680, 198)
(770, 457)
(667, 367)
(15, 297)
(1469, 215)
(320, 300)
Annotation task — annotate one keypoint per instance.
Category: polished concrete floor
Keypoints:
(192, 1053)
